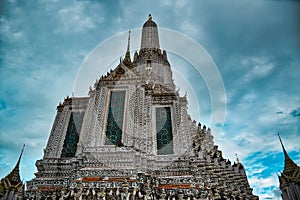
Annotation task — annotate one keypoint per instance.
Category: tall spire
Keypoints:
(127, 59)
(150, 35)
(128, 44)
(289, 164)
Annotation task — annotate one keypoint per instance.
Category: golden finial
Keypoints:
(149, 17)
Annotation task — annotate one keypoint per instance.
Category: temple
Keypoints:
(132, 138)
(11, 186)
(289, 179)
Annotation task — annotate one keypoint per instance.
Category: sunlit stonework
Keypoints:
(132, 138)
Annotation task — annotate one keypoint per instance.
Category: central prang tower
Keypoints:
(132, 138)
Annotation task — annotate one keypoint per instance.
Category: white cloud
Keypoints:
(265, 182)
(167, 3)
(259, 67)
(190, 29)
(249, 97)
(180, 4)
(261, 186)
(176, 4)
(80, 17)
(10, 29)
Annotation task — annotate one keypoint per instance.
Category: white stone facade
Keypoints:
(177, 160)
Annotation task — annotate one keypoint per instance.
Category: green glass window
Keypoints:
(164, 131)
(115, 118)
(72, 135)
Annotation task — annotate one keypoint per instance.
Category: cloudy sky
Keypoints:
(255, 45)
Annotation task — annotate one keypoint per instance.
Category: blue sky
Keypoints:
(255, 45)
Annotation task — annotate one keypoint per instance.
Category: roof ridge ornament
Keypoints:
(149, 17)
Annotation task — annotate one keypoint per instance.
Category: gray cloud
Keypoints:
(295, 113)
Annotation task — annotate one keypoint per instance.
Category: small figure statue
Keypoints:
(180, 194)
(134, 192)
(148, 193)
(77, 194)
(117, 192)
(125, 194)
(93, 192)
(86, 193)
(163, 194)
(140, 195)
(64, 195)
(101, 194)
(110, 193)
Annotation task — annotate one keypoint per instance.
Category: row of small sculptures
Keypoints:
(144, 193)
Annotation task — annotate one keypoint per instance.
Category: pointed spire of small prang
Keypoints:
(128, 44)
(14, 175)
(289, 164)
(127, 59)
